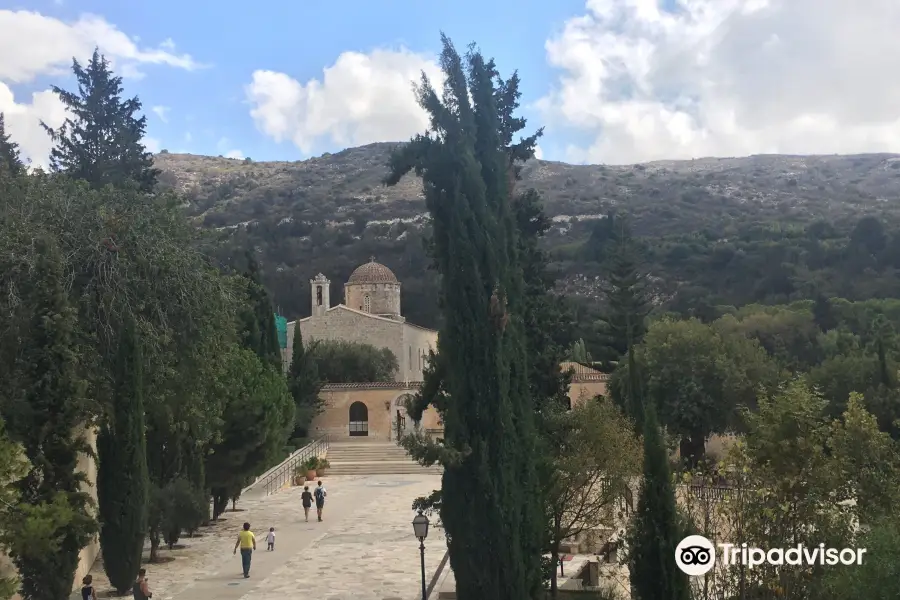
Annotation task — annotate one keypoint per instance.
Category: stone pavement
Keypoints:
(363, 550)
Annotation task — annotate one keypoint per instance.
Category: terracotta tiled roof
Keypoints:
(372, 272)
(584, 377)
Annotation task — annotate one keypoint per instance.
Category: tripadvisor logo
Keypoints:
(696, 555)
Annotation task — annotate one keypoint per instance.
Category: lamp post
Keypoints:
(420, 527)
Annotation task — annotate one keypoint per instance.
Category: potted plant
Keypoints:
(321, 466)
(299, 475)
(311, 465)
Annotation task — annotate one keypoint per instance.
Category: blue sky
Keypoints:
(613, 81)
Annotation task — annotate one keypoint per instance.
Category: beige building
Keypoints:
(370, 314)
(378, 410)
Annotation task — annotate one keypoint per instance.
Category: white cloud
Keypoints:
(188, 137)
(538, 153)
(162, 112)
(234, 154)
(727, 77)
(34, 45)
(152, 144)
(360, 99)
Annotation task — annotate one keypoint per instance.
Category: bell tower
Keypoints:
(319, 288)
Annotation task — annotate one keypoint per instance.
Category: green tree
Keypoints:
(878, 577)
(45, 416)
(13, 466)
(338, 361)
(259, 333)
(697, 377)
(596, 456)
(122, 480)
(10, 162)
(102, 142)
(304, 384)
(467, 166)
(257, 419)
(656, 527)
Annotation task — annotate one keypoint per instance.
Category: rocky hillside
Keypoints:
(330, 213)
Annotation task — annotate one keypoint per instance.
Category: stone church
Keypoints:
(371, 314)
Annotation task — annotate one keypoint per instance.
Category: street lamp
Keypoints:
(420, 527)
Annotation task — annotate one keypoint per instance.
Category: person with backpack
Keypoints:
(320, 499)
(306, 498)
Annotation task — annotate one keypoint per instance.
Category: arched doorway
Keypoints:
(401, 424)
(359, 419)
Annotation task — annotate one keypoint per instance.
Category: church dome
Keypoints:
(372, 272)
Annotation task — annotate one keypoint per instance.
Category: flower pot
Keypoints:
(299, 480)
(310, 474)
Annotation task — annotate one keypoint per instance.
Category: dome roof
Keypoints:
(372, 272)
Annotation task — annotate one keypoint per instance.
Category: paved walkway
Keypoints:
(363, 550)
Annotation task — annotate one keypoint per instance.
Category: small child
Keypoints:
(270, 539)
(87, 588)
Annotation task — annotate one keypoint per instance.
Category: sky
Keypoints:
(612, 81)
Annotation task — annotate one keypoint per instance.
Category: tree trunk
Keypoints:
(554, 557)
(692, 449)
(154, 546)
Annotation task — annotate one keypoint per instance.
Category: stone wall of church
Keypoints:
(416, 343)
(347, 325)
(382, 402)
(384, 298)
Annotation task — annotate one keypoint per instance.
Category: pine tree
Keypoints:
(122, 479)
(490, 498)
(656, 531)
(102, 142)
(10, 161)
(44, 417)
(823, 313)
(304, 384)
(626, 291)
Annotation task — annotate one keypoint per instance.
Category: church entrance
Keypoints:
(359, 419)
(402, 424)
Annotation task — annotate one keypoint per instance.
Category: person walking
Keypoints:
(141, 588)
(306, 498)
(320, 494)
(247, 543)
(87, 588)
(270, 539)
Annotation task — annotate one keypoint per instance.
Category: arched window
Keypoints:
(318, 295)
(367, 304)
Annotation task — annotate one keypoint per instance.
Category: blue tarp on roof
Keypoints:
(281, 328)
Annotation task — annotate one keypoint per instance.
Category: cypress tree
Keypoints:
(490, 501)
(102, 142)
(655, 531)
(122, 480)
(304, 384)
(260, 334)
(44, 416)
(10, 162)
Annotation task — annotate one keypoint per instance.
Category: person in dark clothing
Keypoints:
(141, 589)
(320, 494)
(87, 588)
(307, 499)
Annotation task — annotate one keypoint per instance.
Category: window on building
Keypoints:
(410, 357)
(367, 304)
(318, 295)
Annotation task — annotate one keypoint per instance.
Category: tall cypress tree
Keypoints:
(490, 506)
(45, 416)
(102, 142)
(122, 479)
(10, 161)
(259, 332)
(655, 531)
(304, 384)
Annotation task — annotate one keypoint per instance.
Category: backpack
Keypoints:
(320, 494)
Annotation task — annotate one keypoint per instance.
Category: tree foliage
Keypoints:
(339, 361)
(466, 162)
(122, 479)
(304, 384)
(102, 143)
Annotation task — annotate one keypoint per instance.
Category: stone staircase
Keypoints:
(368, 457)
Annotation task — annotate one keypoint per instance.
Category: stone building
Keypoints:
(370, 314)
(378, 410)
